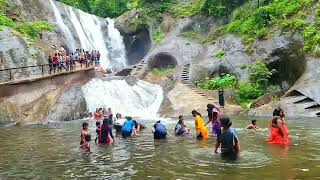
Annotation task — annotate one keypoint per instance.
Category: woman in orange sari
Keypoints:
(201, 130)
(278, 134)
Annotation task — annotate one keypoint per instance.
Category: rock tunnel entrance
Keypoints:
(162, 61)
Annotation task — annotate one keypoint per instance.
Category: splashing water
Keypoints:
(142, 99)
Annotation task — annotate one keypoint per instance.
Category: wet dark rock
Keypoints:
(70, 105)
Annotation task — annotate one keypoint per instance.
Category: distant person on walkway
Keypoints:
(98, 57)
(201, 130)
(229, 141)
(253, 125)
(221, 98)
(105, 133)
(61, 62)
(214, 117)
(181, 129)
(50, 62)
(55, 60)
(128, 128)
(159, 131)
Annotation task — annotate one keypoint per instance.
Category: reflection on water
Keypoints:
(52, 151)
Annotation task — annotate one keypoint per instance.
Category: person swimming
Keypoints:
(138, 126)
(181, 129)
(201, 130)
(253, 125)
(159, 131)
(128, 128)
(229, 141)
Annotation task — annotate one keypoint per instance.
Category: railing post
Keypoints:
(10, 74)
(42, 70)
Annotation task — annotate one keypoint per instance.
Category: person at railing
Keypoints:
(67, 60)
(55, 60)
(61, 62)
(82, 57)
(50, 61)
(98, 57)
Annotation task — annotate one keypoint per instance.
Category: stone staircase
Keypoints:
(302, 104)
(185, 79)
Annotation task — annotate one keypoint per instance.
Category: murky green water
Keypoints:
(52, 151)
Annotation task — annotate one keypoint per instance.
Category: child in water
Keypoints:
(97, 131)
(86, 145)
(253, 125)
(228, 139)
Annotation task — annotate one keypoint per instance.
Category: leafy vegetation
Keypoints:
(226, 81)
(219, 53)
(34, 28)
(245, 92)
(188, 8)
(29, 29)
(220, 8)
(163, 71)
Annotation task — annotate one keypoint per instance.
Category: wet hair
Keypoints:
(97, 123)
(194, 112)
(253, 121)
(129, 118)
(118, 115)
(225, 121)
(275, 119)
(277, 111)
(180, 116)
(136, 124)
(84, 124)
(87, 137)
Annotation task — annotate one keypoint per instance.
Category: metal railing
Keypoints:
(25, 72)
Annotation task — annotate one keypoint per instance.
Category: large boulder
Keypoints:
(69, 106)
(15, 51)
(234, 61)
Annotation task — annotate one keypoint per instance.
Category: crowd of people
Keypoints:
(227, 137)
(62, 60)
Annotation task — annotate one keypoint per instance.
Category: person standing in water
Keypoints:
(279, 112)
(181, 129)
(214, 116)
(277, 132)
(84, 132)
(110, 116)
(128, 128)
(86, 146)
(221, 98)
(105, 133)
(201, 130)
(229, 141)
(159, 131)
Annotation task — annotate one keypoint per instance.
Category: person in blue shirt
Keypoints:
(159, 131)
(228, 139)
(181, 129)
(128, 127)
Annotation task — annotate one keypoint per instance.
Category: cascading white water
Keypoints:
(67, 33)
(89, 30)
(118, 52)
(140, 100)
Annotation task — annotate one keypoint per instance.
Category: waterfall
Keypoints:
(118, 52)
(65, 30)
(142, 99)
(94, 33)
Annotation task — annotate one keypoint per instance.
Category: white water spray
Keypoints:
(117, 49)
(140, 100)
(67, 33)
